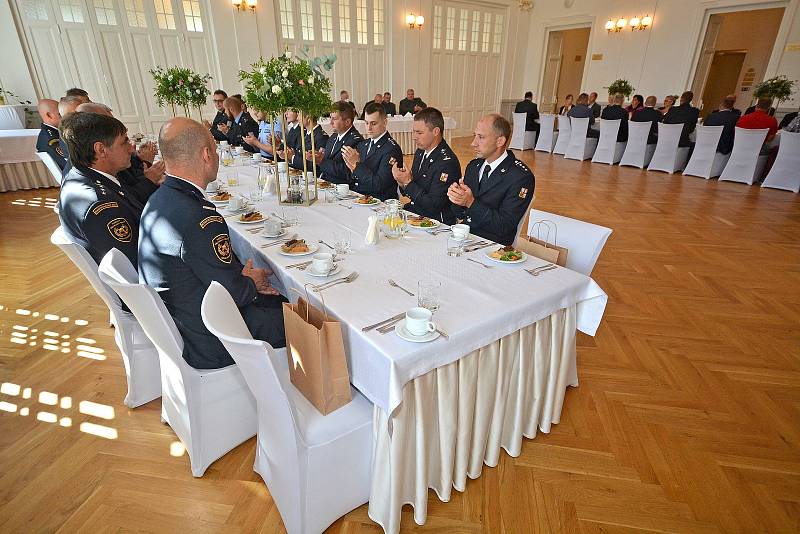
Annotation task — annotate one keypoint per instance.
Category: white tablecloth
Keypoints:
(20, 167)
(12, 117)
(400, 129)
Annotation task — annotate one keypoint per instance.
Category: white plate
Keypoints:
(283, 233)
(371, 204)
(402, 333)
(219, 202)
(312, 248)
(246, 209)
(522, 260)
(336, 269)
(260, 221)
(436, 224)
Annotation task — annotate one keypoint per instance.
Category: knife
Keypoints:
(384, 322)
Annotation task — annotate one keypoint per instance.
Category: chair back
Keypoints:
(607, 145)
(742, 164)
(637, 151)
(547, 123)
(705, 152)
(564, 134)
(784, 173)
(51, 165)
(577, 148)
(666, 154)
(584, 241)
(518, 131)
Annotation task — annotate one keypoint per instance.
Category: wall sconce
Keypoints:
(415, 22)
(641, 24)
(242, 5)
(635, 23)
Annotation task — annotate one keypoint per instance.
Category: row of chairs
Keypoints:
(744, 163)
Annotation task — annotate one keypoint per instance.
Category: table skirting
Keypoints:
(29, 175)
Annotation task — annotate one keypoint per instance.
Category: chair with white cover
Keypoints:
(609, 150)
(316, 467)
(638, 152)
(564, 133)
(51, 165)
(139, 356)
(210, 410)
(668, 157)
(583, 240)
(547, 137)
(745, 164)
(520, 138)
(581, 146)
(706, 162)
(785, 172)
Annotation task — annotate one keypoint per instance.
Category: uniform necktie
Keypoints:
(487, 170)
(369, 146)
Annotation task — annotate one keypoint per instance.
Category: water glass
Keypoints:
(428, 292)
(255, 193)
(455, 247)
(341, 242)
(233, 179)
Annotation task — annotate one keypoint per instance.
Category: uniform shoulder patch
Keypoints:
(53, 141)
(443, 177)
(523, 192)
(104, 206)
(213, 218)
(120, 229)
(222, 247)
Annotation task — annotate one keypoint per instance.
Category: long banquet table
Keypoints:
(20, 167)
(400, 129)
(444, 408)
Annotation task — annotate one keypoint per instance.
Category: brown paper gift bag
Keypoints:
(315, 349)
(544, 248)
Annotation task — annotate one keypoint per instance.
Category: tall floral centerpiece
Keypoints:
(182, 87)
(287, 82)
(620, 87)
(779, 88)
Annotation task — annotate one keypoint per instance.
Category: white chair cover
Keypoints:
(564, 133)
(785, 172)
(608, 149)
(10, 118)
(520, 138)
(584, 240)
(637, 152)
(138, 354)
(317, 468)
(547, 137)
(745, 165)
(210, 410)
(580, 146)
(51, 165)
(668, 157)
(706, 162)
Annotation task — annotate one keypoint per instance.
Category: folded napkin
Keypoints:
(373, 232)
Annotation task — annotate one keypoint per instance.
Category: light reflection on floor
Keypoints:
(36, 202)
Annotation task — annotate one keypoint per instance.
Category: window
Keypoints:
(164, 15)
(463, 20)
(35, 10)
(104, 10)
(377, 22)
(487, 27)
(344, 21)
(361, 21)
(191, 11)
(437, 26)
(476, 25)
(326, 19)
(498, 33)
(451, 28)
(134, 11)
(287, 19)
(71, 10)
(307, 20)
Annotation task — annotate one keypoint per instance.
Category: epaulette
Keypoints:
(522, 166)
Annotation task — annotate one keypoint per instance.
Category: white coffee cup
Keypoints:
(322, 262)
(235, 203)
(418, 322)
(283, 167)
(223, 143)
(342, 189)
(257, 157)
(238, 150)
(460, 231)
(272, 227)
(212, 187)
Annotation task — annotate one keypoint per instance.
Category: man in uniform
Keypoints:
(527, 106)
(241, 124)
(292, 130)
(49, 137)
(344, 98)
(371, 162)
(67, 105)
(221, 117)
(410, 103)
(294, 153)
(388, 105)
(330, 159)
(94, 210)
(423, 187)
(497, 188)
(184, 245)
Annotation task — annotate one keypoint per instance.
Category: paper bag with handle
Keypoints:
(544, 248)
(315, 349)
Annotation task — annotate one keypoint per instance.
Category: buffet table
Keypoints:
(20, 167)
(446, 407)
(400, 128)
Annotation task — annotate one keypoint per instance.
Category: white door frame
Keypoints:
(557, 25)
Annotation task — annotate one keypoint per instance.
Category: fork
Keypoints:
(479, 263)
(537, 272)
(280, 242)
(346, 206)
(401, 288)
(327, 245)
(346, 280)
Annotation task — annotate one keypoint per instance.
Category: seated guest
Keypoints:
(344, 98)
(410, 102)
(94, 210)
(563, 110)
(221, 117)
(726, 117)
(330, 158)
(595, 107)
(496, 190)
(423, 187)
(76, 91)
(733, 97)
(635, 105)
(649, 114)
(759, 119)
(794, 126)
(67, 105)
(527, 106)
(685, 114)
(371, 162)
(581, 111)
(754, 107)
(388, 105)
(378, 100)
(669, 102)
(294, 153)
(614, 112)
(264, 140)
(292, 129)
(48, 140)
(184, 245)
(787, 119)
(241, 124)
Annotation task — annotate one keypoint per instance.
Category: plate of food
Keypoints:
(324, 185)
(423, 223)
(507, 255)
(251, 217)
(220, 197)
(297, 247)
(366, 200)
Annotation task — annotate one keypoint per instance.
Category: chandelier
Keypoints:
(525, 5)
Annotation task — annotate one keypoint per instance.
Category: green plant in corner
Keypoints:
(620, 87)
(778, 88)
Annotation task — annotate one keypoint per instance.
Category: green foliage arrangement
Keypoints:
(6, 96)
(178, 86)
(779, 88)
(620, 87)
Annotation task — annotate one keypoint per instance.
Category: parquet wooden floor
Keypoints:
(687, 418)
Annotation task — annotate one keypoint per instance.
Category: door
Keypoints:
(722, 78)
(706, 54)
(552, 71)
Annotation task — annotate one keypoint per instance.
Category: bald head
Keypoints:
(619, 100)
(94, 107)
(188, 150)
(48, 111)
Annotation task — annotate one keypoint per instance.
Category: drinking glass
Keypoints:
(341, 242)
(428, 292)
(255, 193)
(455, 247)
(233, 178)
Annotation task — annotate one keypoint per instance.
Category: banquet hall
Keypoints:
(546, 273)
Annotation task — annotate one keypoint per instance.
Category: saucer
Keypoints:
(280, 234)
(336, 268)
(402, 333)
